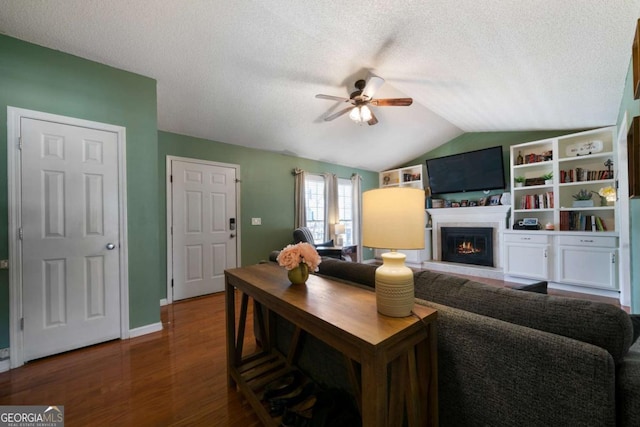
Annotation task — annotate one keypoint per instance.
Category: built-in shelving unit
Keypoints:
(410, 176)
(583, 161)
(577, 243)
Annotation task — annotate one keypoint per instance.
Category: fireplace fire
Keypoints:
(467, 245)
(468, 248)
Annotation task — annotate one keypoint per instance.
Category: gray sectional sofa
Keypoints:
(513, 358)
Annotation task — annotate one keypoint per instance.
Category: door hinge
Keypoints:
(172, 283)
(22, 323)
(19, 143)
(20, 233)
(613, 258)
(170, 178)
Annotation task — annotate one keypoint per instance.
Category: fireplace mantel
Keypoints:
(477, 216)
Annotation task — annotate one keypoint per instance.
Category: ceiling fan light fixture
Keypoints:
(360, 114)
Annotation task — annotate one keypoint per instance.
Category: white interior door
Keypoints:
(70, 230)
(204, 227)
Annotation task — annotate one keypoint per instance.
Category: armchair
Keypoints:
(303, 234)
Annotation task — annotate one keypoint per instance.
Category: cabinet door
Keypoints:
(527, 260)
(595, 267)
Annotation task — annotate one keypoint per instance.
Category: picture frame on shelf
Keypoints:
(464, 203)
(482, 201)
(494, 200)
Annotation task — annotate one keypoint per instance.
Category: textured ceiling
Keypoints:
(246, 72)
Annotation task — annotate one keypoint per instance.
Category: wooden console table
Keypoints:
(345, 318)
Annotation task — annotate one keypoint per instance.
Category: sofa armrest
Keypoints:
(628, 388)
(496, 373)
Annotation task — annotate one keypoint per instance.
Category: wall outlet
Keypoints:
(4, 264)
(4, 353)
(256, 221)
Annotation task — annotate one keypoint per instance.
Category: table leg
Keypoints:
(374, 391)
(230, 300)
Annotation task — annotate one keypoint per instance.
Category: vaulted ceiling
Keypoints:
(246, 72)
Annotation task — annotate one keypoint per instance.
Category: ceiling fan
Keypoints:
(362, 98)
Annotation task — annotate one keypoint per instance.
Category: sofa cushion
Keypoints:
(635, 320)
(351, 271)
(601, 324)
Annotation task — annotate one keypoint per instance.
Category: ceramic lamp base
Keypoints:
(394, 286)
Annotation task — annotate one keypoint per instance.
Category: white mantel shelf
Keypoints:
(501, 210)
(475, 216)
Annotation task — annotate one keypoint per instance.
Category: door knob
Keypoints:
(232, 235)
(111, 246)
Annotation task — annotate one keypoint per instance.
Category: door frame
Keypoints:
(169, 233)
(14, 177)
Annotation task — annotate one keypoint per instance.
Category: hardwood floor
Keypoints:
(176, 377)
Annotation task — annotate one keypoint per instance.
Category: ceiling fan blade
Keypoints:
(333, 98)
(392, 102)
(338, 114)
(373, 84)
(373, 120)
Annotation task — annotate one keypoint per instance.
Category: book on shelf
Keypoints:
(577, 221)
(537, 201)
(582, 174)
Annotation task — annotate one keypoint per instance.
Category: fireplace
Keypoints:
(467, 245)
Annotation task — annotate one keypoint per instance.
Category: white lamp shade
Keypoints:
(338, 229)
(393, 218)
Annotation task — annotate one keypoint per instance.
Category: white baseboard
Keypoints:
(5, 365)
(143, 330)
(163, 302)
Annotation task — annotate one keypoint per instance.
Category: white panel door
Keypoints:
(204, 229)
(70, 259)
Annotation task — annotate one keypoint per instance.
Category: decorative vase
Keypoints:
(299, 275)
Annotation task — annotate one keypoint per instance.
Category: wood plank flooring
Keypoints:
(176, 377)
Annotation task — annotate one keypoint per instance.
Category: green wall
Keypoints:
(632, 108)
(478, 140)
(266, 190)
(37, 78)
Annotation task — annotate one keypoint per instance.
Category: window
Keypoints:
(314, 198)
(345, 209)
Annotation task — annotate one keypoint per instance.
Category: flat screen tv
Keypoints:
(470, 171)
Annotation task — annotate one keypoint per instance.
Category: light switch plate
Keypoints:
(256, 221)
(4, 264)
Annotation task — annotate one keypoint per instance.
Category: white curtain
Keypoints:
(300, 206)
(356, 188)
(331, 211)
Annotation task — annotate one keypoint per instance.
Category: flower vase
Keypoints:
(299, 275)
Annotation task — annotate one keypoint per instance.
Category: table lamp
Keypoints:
(339, 230)
(393, 218)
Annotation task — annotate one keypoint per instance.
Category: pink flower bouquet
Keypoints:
(291, 256)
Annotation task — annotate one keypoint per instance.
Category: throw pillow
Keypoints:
(540, 287)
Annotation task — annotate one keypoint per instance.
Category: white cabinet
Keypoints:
(527, 255)
(410, 176)
(588, 261)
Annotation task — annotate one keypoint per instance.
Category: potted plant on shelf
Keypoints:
(583, 199)
(519, 181)
(548, 178)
